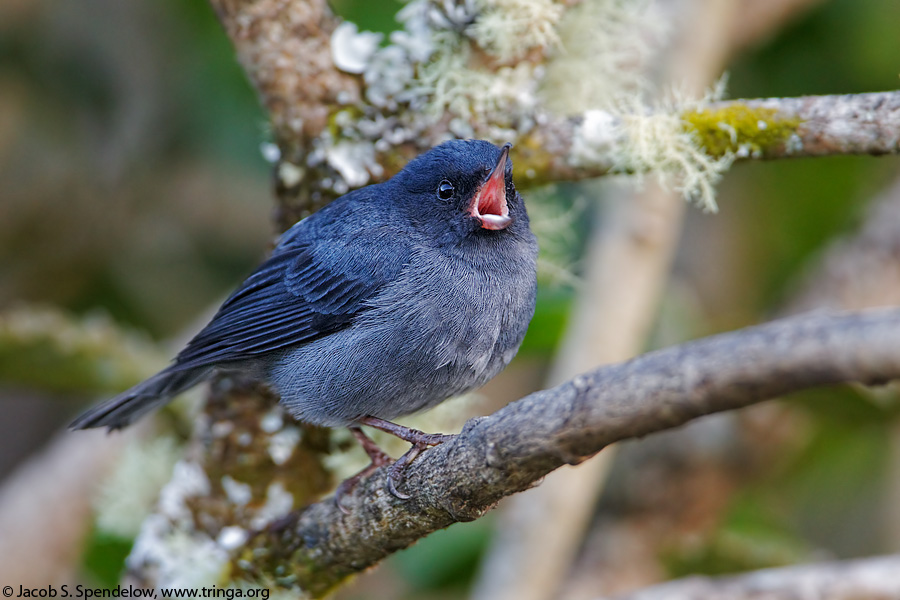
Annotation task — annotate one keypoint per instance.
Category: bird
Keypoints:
(389, 300)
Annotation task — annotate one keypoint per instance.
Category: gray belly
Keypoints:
(408, 352)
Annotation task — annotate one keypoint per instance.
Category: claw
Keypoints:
(376, 455)
(420, 442)
(395, 474)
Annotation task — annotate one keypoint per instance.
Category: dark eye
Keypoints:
(445, 190)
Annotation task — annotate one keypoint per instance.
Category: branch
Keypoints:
(804, 126)
(591, 144)
(859, 270)
(346, 113)
(513, 449)
(862, 579)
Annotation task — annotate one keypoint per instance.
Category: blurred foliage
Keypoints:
(104, 557)
(842, 47)
(447, 559)
(367, 15)
(46, 349)
(790, 209)
(835, 487)
(129, 153)
(752, 536)
(826, 494)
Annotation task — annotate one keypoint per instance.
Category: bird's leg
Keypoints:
(419, 440)
(376, 455)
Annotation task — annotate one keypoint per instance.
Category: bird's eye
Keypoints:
(445, 190)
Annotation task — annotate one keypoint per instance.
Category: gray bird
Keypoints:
(388, 301)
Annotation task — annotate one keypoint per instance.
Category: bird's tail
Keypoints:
(146, 396)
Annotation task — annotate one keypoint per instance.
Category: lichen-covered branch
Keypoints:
(761, 128)
(805, 126)
(511, 450)
(862, 579)
(284, 45)
(347, 112)
(285, 48)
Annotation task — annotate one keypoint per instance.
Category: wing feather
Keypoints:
(306, 290)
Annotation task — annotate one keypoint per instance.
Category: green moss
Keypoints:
(342, 116)
(58, 352)
(103, 559)
(741, 130)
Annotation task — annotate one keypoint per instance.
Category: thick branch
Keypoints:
(863, 579)
(284, 45)
(344, 122)
(285, 49)
(511, 450)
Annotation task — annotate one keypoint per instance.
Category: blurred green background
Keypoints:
(134, 194)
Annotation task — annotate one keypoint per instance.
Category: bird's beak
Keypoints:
(489, 205)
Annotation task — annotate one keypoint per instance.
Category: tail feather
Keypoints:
(146, 396)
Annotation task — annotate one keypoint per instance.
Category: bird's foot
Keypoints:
(419, 440)
(377, 457)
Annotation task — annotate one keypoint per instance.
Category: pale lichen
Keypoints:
(508, 29)
(173, 552)
(351, 49)
(129, 494)
(273, 420)
(232, 537)
(279, 502)
(639, 140)
(353, 161)
(237, 492)
(283, 444)
(657, 142)
(188, 480)
(177, 557)
(597, 139)
(169, 550)
(606, 49)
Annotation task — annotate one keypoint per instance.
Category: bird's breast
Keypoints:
(467, 313)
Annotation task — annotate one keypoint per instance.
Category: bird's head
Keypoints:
(462, 188)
